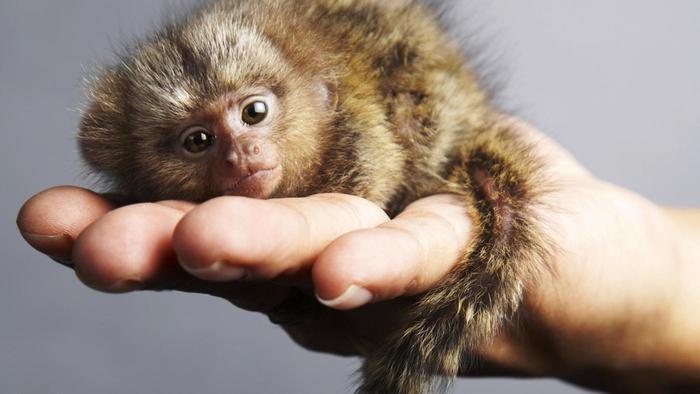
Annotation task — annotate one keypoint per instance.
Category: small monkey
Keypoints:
(272, 98)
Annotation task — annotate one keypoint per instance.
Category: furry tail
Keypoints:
(496, 174)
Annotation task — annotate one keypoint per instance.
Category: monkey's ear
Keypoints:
(100, 135)
(327, 91)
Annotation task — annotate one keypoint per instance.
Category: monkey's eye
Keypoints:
(196, 140)
(254, 113)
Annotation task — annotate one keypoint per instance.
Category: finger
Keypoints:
(52, 220)
(229, 238)
(129, 248)
(405, 256)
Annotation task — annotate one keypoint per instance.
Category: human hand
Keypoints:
(283, 246)
(616, 301)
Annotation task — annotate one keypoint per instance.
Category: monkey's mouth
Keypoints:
(259, 184)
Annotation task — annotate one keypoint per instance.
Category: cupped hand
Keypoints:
(258, 254)
(613, 302)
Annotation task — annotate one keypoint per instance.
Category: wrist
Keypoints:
(683, 353)
(667, 357)
(659, 350)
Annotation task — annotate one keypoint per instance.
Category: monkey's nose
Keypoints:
(243, 151)
(252, 148)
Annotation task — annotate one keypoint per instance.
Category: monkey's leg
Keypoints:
(497, 177)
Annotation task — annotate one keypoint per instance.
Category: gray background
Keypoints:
(616, 82)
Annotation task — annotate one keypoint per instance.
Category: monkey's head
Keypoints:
(207, 108)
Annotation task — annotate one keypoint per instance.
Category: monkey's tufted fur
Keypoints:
(375, 101)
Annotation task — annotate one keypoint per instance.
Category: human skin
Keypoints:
(616, 311)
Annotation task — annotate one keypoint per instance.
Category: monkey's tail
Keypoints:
(496, 175)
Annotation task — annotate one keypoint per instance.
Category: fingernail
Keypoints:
(354, 297)
(220, 271)
(52, 245)
(125, 286)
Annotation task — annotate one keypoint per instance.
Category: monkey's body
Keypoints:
(374, 100)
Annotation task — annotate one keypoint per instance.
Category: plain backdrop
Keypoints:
(616, 82)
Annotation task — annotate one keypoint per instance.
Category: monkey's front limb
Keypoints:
(498, 178)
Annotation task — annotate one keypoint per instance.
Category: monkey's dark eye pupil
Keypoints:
(255, 113)
(198, 142)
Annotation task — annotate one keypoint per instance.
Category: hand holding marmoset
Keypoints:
(271, 99)
(617, 313)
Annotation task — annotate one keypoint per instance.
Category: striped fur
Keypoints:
(408, 118)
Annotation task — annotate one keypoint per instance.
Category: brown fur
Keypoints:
(405, 118)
